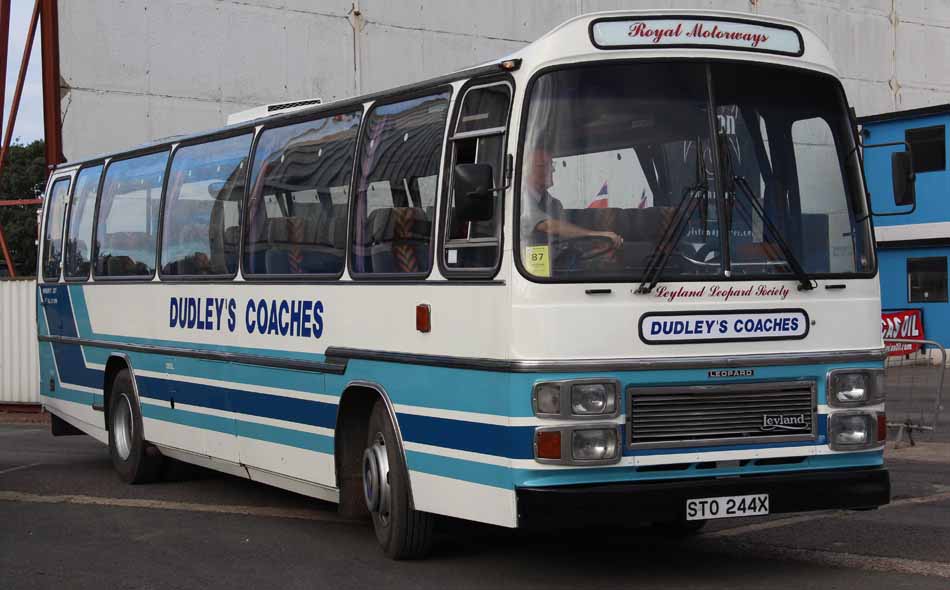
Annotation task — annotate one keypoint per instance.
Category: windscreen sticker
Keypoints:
(727, 326)
(537, 261)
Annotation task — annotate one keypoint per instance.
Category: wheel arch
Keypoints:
(351, 429)
(116, 362)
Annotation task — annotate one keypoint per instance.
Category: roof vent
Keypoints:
(271, 109)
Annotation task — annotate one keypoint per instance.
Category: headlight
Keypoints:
(593, 398)
(576, 398)
(587, 444)
(851, 431)
(855, 388)
(598, 444)
(547, 399)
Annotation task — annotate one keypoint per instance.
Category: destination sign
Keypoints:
(628, 33)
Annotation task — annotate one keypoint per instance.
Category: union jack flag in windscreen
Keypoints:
(643, 200)
(600, 199)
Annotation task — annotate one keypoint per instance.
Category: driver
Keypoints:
(541, 215)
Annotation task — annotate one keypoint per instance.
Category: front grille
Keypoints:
(701, 415)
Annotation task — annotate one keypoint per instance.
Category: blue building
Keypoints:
(913, 248)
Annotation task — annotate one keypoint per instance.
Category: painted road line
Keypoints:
(919, 500)
(270, 511)
(774, 524)
(872, 563)
(19, 467)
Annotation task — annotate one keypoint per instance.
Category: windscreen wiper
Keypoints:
(692, 196)
(805, 282)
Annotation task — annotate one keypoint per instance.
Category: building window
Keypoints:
(927, 279)
(929, 147)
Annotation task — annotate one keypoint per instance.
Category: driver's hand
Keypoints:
(616, 239)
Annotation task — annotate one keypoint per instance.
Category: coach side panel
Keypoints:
(187, 345)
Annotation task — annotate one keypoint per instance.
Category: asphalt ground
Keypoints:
(66, 521)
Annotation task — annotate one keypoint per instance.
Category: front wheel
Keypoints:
(133, 459)
(402, 531)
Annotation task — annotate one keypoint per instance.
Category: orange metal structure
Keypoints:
(44, 14)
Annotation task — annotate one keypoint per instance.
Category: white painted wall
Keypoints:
(19, 358)
(138, 70)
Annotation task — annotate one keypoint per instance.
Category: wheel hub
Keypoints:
(122, 427)
(376, 488)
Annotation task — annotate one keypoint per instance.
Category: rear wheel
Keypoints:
(403, 532)
(133, 458)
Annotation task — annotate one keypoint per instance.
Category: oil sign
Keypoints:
(905, 324)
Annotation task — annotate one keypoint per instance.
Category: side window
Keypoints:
(201, 230)
(927, 279)
(397, 180)
(473, 230)
(127, 223)
(296, 217)
(53, 237)
(82, 209)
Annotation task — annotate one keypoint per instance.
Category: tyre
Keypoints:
(134, 459)
(403, 532)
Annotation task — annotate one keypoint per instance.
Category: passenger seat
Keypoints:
(399, 239)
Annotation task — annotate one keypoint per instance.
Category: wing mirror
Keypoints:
(904, 179)
(474, 192)
(902, 176)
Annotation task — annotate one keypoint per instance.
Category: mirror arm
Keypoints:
(875, 145)
(493, 191)
(509, 174)
(885, 144)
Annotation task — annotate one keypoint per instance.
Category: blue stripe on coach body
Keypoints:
(515, 442)
(277, 407)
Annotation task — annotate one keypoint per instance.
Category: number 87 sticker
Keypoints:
(537, 261)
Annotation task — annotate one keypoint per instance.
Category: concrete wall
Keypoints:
(137, 70)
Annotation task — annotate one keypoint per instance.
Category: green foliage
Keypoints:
(22, 177)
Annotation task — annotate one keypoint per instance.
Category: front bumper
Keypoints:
(665, 501)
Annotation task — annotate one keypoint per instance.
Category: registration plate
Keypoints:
(727, 507)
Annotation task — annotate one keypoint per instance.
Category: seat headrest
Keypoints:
(232, 235)
(400, 223)
(285, 229)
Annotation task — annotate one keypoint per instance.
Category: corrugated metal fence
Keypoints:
(19, 360)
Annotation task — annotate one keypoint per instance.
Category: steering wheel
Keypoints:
(684, 255)
(705, 250)
(582, 248)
